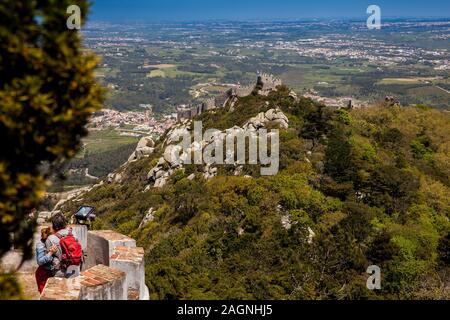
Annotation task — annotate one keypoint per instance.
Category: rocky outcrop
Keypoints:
(233, 102)
(163, 170)
(89, 176)
(144, 148)
(287, 224)
(209, 172)
(286, 221)
(63, 197)
(311, 235)
(171, 160)
(175, 157)
(390, 101)
(44, 216)
(262, 119)
(177, 131)
(293, 95)
(238, 171)
(149, 217)
(115, 177)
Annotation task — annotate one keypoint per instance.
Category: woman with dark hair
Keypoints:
(44, 259)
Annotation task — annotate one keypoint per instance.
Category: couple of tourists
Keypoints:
(58, 254)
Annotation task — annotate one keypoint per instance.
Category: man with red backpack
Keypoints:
(68, 257)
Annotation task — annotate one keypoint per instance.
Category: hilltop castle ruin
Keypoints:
(265, 83)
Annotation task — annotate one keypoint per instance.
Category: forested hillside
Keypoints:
(355, 188)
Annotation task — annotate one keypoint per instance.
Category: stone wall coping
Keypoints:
(69, 289)
(100, 275)
(62, 289)
(111, 235)
(135, 255)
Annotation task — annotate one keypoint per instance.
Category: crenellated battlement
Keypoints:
(244, 91)
(265, 82)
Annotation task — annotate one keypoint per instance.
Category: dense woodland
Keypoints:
(99, 165)
(373, 184)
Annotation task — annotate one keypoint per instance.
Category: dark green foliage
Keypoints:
(316, 122)
(381, 249)
(392, 188)
(421, 147)
(339, 163)
(390, 138)
(444, 250)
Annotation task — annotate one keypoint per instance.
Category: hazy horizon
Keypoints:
(263, 20)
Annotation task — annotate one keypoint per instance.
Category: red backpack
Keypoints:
(71, 251)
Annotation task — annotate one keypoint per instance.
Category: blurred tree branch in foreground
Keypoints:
(47, 93)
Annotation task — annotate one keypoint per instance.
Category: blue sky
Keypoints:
(158, 10)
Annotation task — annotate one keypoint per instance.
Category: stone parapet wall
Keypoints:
(103, 283)
(62, 289)
(81, 233)
(98, 283)
(244, 91)
(114, 270)
(267, 83)
(101, 246)
(131, 261)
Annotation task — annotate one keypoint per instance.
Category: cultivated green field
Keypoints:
(105, 140)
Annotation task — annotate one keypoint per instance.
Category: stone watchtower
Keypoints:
(267, 83)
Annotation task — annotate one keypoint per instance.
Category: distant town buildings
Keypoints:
(132, 123)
